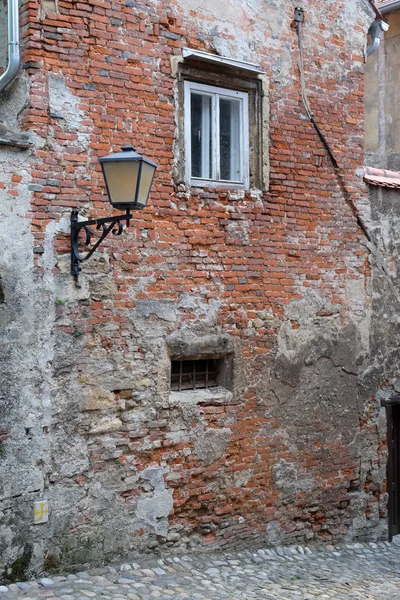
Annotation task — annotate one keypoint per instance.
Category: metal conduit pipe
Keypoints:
(390, 7)
(375, 31)
(14, 54)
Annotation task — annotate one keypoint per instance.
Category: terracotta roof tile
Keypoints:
(382, 177)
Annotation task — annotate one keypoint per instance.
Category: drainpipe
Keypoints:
(376, 31)
(390, 7)
(14, 57)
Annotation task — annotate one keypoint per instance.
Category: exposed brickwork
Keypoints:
(284, 274)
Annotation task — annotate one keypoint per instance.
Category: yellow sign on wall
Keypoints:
(40, 512)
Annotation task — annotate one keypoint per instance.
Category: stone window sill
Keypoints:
(217, 395)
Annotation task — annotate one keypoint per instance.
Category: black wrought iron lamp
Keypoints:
(128, 178)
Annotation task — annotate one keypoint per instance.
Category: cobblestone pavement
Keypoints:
(354, 571)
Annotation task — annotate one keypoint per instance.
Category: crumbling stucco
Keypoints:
(154, 510)
(211, 444)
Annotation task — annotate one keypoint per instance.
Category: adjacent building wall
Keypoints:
(382, 152)
(382, 120)
(277, 283)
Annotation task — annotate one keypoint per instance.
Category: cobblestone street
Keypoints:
(358, 571)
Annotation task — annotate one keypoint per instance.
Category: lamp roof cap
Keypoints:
(128, 153)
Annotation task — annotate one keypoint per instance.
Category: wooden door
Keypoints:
(393, 471)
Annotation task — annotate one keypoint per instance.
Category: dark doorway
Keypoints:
(393, 470)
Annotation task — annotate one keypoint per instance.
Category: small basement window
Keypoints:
(194, 374)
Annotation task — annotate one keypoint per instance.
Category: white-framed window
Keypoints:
(216, 135)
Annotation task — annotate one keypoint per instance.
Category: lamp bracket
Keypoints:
(103, 227)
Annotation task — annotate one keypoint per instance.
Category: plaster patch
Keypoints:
(106, 425)
(307, 312)
(211, 445)
(64, 106)
(273, 531)
(62, 102)
(154, 510)
(290, 480)
(97, 399)
(224, 16)
(163, 309)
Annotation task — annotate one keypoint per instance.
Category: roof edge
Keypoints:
(382, 177)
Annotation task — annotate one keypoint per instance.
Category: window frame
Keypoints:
(217, 92)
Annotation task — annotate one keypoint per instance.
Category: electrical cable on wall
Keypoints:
(372, 246)
(299, 19)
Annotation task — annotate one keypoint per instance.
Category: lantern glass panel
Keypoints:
(122, 179)
(146, 179)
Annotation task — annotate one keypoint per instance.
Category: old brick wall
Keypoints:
(276, 279)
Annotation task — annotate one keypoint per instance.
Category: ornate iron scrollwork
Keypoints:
(103, 227)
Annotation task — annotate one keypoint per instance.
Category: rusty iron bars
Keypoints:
(194, 374)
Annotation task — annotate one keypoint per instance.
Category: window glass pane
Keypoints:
(121, 180)
(229, 139)
(201, 135)
(145, 183)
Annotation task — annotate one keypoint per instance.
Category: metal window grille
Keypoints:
(194, 374)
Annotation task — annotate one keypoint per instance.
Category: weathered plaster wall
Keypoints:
(382, 121)
(26, 327)
(277, 282)
(385, 297)
(381, 370)
(382, 124)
